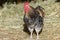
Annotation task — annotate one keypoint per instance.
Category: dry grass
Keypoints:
(11, 22)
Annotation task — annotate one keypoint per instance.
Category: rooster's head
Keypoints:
(26, 7)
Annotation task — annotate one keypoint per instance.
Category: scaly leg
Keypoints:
(31, 34)
(37, 35)
(37, 29)
(31, 31)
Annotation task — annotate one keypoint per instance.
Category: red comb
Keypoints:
(26, 7)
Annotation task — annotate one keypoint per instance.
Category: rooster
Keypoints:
(33, 18)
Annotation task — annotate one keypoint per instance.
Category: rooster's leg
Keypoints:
(37, 29)
(37, 32)
(31, 31)
(31, 34)
(37, 35)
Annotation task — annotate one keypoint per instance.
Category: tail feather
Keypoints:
(40, 10)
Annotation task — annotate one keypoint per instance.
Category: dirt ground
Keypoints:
(11, 23)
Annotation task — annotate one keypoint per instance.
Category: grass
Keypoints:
(11, 21)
